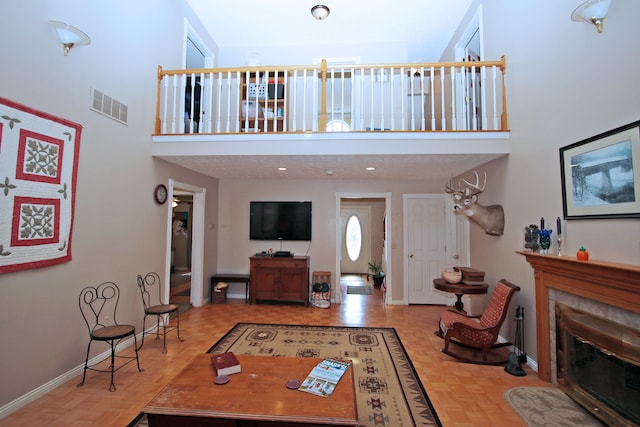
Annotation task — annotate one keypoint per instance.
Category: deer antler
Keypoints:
(478, 189)
(449, 189)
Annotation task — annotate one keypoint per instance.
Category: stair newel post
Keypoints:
(323, 94)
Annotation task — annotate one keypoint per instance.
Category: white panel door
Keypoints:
(426, 233)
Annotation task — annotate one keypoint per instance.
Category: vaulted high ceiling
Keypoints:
(425, 26)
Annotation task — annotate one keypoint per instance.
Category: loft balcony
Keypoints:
(448, 108)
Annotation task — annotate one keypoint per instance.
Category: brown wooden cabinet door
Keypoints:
(279, 279)
(293, 284)
(267, 286)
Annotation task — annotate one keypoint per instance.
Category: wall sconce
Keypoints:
(69, 36)
(320, 12)
(593, 11)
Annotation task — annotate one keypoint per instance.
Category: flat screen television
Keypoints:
(280, 221)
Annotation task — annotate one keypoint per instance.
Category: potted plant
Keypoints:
(376, 273)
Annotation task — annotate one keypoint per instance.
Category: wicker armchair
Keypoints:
(478, 332)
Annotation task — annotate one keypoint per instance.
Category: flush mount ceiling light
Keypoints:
(320, 12)
(69, 36)
(593, 11)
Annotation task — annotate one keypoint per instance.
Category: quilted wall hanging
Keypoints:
(38, 172)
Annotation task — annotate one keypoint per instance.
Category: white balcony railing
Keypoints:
(422, 97)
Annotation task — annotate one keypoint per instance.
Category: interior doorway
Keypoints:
(469, 103)
(375, 234)
(426, 246)
(196, 105)
(196, 248)
(181, 244)
(434, 238)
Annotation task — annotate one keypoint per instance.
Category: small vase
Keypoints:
(531, 238)
(544, 240)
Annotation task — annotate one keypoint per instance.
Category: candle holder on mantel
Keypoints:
(559, 244)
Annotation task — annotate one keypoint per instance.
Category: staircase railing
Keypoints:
(420, 97)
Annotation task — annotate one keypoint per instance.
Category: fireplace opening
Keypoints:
(598, 365)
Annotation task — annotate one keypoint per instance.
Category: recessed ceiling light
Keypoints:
(282, 169)
(370, 168)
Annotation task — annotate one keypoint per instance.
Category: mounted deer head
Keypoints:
(491, 218)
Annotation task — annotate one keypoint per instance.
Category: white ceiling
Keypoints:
(438, 167)
(426, 157)
(424, 26)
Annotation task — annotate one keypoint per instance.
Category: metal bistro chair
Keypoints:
(98, 306)
(154, 307)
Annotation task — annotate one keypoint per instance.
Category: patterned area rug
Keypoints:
(541, 406)
(359, 290)
(388, 390)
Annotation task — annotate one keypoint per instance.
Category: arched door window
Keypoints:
(353, 238)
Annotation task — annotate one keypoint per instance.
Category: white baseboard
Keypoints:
(236, 296)
(37, 393)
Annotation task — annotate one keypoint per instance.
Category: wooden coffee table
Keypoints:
(256, 396)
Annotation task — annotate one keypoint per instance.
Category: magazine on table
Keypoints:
(324, 377)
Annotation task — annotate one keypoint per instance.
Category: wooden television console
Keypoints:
(279, 279)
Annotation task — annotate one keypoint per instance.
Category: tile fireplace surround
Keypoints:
(605, 289)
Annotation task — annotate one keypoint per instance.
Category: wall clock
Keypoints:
(160, 194)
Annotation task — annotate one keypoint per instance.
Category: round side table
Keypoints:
(460, 289)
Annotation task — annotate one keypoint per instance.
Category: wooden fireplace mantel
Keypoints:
(606, 282)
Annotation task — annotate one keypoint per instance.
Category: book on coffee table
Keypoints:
(225, 363)
(324, 377)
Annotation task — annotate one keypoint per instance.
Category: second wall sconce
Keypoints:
(69, 36)
(593, 11)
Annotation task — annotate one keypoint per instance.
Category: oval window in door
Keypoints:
(353, 237)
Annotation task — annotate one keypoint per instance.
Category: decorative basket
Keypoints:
(451, 275)
(219, 294)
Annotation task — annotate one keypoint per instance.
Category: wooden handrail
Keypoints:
(445, 98)
(466, 64)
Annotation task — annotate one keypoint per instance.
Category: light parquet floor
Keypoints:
(464, 395)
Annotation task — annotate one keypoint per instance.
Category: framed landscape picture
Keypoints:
(601, 175)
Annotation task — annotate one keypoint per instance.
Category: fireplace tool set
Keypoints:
(518, 355)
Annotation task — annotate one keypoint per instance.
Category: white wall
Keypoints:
(118, 230)
(302, 55)
(234, 246)
(565, 83)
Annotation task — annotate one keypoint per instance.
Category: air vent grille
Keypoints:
(106, 105)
